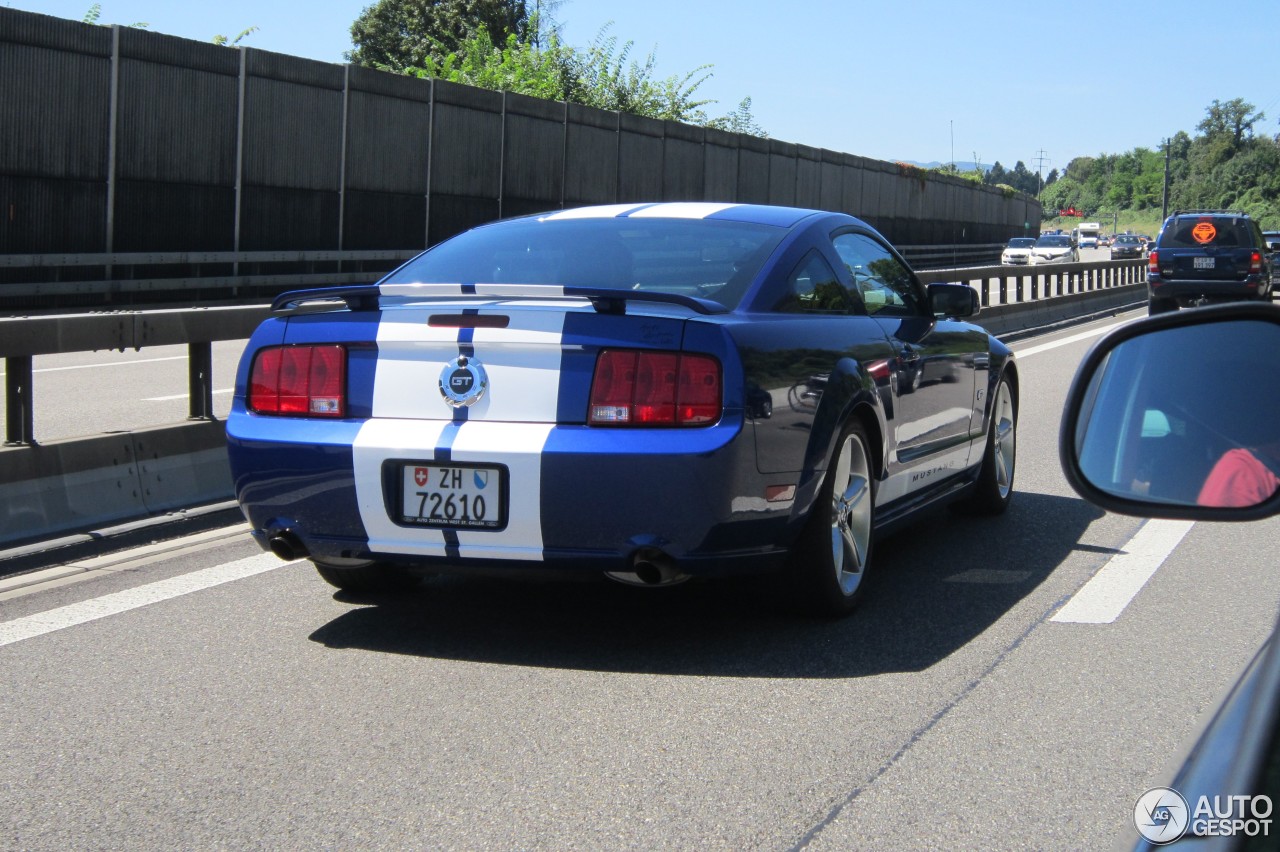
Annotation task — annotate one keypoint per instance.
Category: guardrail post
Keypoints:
(200, 380)
(19, 412)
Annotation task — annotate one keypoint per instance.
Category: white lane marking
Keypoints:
(179, 396)
(1084, 335)
(30, 626)
(1104, 597)
(111, 364)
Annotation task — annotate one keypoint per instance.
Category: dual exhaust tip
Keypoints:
(649, 565)
(286, 545)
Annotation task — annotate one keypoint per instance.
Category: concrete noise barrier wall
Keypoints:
(85, 482)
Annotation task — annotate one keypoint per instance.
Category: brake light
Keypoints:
(649, 388)
(1153, 264)
(299, 381)
(1255, 263)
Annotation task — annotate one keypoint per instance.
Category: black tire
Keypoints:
(364, 576)
(993, 491)
(1161, 306)
(831, 558)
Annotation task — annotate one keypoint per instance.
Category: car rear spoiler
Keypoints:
(369, 297)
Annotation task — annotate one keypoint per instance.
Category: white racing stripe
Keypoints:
(603, 211)
(1103, 598)
(518, 446)
(28, 627)
(682, 210)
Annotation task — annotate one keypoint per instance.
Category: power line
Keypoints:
(1039, 160)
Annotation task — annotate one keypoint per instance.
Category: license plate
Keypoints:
(1202, 262)
(453, 496)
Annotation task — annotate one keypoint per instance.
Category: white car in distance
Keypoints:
(1055, 248)
(1017, 252)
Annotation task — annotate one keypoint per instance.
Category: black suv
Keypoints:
(1204, 256)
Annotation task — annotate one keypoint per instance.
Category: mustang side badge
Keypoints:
(463, 381)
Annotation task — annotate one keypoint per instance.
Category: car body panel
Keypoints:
(1126, 246)
(1018, 251)
(1055, 248)
(725, 497)
(1229, 261)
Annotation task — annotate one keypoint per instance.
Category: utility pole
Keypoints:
(1040, 158)
(1164, 204)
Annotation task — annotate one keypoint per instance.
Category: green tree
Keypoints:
(604, 76)
(94, 14)
(1233, 120)
(1023, 179)
(512, 66)
(245, 33)
(739, 121)
(396, 35)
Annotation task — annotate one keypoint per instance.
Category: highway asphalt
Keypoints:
(196, 693)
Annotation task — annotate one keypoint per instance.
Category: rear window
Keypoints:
(1021, 242)
(706, 258)
(1204, 231)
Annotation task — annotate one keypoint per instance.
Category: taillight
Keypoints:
(300, 381)
(648, 388)
(1255, 263)
(1153, 264)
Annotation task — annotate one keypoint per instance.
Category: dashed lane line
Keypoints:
(39, 624)
(1105, 596)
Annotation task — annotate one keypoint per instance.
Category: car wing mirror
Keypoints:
(953, 300)
(1178, 416)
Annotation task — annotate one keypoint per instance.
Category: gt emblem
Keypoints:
(463, 381)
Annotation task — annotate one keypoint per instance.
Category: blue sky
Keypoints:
(920, 81)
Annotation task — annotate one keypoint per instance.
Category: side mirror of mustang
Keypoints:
(1178, 416)
(953, 300)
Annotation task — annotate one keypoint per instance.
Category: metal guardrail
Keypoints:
(81, 483)
(147, 258)
(21, 338)
(120, 271)
(951, 256)
(25, 337)
(1004, 285)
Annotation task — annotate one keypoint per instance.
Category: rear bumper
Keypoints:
(578, 497)
(1188, 290)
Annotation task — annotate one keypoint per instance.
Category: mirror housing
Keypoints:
(953, 300)
(1178, 416)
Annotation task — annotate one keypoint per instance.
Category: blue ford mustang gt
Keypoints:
(650, 391)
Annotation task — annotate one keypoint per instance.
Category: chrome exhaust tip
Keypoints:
(650, 567)
(287, 546)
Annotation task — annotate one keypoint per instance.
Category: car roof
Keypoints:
(761, 214)
(1209, 214)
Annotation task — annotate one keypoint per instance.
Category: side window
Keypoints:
(814, 289)
(885, 285)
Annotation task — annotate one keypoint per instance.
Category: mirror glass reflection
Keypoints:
(1187, 416)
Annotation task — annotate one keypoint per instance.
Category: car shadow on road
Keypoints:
(933, 588)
